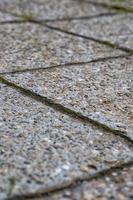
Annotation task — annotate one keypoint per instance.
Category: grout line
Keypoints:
(72, 113)
(103, 42)
(104, 14)
(12, 22)
(64, 110)
(66, 64)
(45, 191)
(30, 19)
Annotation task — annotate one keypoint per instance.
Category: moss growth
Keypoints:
(28, 17)
(12, 181)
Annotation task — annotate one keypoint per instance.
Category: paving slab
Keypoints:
(51, 10)
(117, 185)
(27, 45)
(41, 148)
(102, 91)
(128, 4)
(117, 29)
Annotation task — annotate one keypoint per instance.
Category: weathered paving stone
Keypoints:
(32, 46)
(118, 185)
(40, 148)
(117, 29)
(52, 10)
(102, 91)
(119, 3)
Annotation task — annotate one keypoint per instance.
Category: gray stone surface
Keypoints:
(32, 46)
(7, 17)
(55, 9)
(118, 185)
(102, 90)
(40, 147)
(116, 29)
(120, 3)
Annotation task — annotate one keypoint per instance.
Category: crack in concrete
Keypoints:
(44, 191)
(102, 59)
(62, 109)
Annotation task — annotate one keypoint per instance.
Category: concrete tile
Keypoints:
(124, 3)
(41, 148)
(117, 29)
(55, 9)
(33, 46)
(102, 91)
(118, 185)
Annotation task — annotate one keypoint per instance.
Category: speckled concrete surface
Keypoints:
(7, 17)
(41, 147)
(117, 185)
(117, 29)
(55, 9)
(120, 3)
(102, 90)
(51, 83)
(32, 46)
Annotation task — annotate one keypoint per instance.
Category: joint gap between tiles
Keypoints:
(102, 59)
(72, 183)
(64, 110)
(30, 19)
(102, 42)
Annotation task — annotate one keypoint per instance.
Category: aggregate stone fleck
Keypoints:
(102, 91)
(40, 147)
(52, 10)
(32, 46)
(117, 29)
(118, 185)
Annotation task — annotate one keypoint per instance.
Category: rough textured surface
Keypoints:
(50, 132)
(7, 17)
(52, 10)
(119, 3)
(118, 185)
(41, 147)
(102, 90)
(32, 46)
(117, 29)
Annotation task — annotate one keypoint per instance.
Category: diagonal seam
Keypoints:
(72, 183)
(64, 110)
(102, 59)
(103, 42)
(30, 19)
